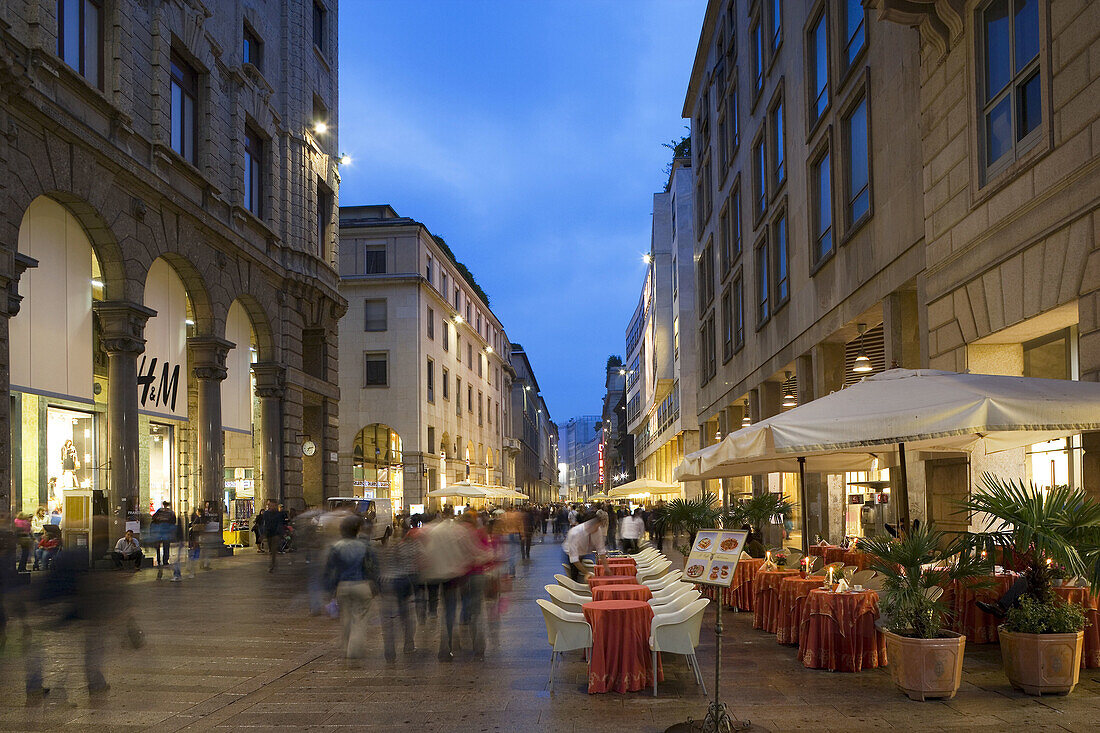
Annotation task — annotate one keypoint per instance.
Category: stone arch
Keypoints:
(198, 295)
(261, 326)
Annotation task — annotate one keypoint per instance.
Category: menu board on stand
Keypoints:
(713, 557)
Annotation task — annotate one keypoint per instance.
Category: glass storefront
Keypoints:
(162, 484)
(377, 465)
(867, 503)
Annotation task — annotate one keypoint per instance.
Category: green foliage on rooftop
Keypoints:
(462, 269)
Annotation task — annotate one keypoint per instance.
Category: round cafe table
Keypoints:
(860, 559)
(1090, 651)
(834, 554)
(623, 561)
(622, 592)
(616, 569)
(739, 594)
(838, 632)
(595, 581)
(765, 611)
(978, 626)
(792, 593)
(621, 660)
(818, 550)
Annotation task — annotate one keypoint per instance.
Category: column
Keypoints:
(817, 510)
(123, 339)
(270, 385)
(207, 357)
(9, 307)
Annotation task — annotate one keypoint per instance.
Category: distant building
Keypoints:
(579, 440)
(618, 442)
(662, 367)
(536, 453)
(426, 386)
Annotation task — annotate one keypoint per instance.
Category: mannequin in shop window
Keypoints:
(70, 464)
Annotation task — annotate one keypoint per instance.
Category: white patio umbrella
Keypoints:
(923, 409)
(643, 486)
(465, 489)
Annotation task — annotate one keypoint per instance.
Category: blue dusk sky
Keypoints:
(527, 134)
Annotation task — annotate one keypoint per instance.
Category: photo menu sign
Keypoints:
(713, 557)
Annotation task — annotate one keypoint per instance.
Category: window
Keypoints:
(431, 324)
(821, 206)
(467, 310)
(759, 170)
(185, 92)
(732, 124)
(723, 151)
(324, 216)
(706, 334)
(374, 259)
(779, 173)
(458, 346)
(80, 37)
(457, 294)
(431, 380)
(857, 193)
(375, 371)
(757, 57)
(762, 283)
(699, 207)
(676, 338)
(735, 222)
(428, 270)
(738, 313)
(480, 401)
(443, 283)
(480, 364)
(431, 440)
(446, 379)
(724, 240)
(470, 355)
(489, 410)
(782, 260)
(253, 51)
(458, 395)
(446, 335)
(776, 18)
(854, 30)
(319, 18)
(469, 398)
(1011, 106)
(705, 277)
(727, 325)
(479, 323)
(675, 277)
(253, 172)
(818, 57)
(375, 314)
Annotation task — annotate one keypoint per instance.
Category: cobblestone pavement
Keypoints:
(235, 648)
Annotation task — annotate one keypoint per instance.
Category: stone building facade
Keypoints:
(426, 380)
(808, 221)
(168, 187)
(662, 378)
(535, 436)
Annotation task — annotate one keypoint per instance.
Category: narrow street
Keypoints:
(235, 648)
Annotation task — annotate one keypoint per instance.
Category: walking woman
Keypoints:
(351, 574)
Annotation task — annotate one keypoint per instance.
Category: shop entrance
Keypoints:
(377, 463)
(162, 483)
(70, 450)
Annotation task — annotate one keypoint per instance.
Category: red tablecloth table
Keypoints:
(966, 618)
(792, 594)
(1090, 652)
(616, 569)
(596, 581)
(621, 592)
(834, 554)
(860, 559)
(739, 595)
(622, 561)
(819, 550)
(838, 632)
(621, 660)
(765, 610)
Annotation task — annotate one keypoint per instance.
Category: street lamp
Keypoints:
(862, 364)
(788, 396)
(647, 258)
(745, 421)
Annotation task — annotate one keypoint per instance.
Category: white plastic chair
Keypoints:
(674, 603)
(663, 580)
(565, 631)
(655, 572)
(581, 589)
(874, 583)
(860, 577)
(672, 589)
(678, 633)
(566, 599)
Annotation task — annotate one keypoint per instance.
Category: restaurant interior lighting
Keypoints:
(789, 399)
(862, 364)
(745, 421)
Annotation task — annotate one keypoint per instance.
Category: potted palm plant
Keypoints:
(1042, 636)
(760, 511)
(690, 516)
(925, 658)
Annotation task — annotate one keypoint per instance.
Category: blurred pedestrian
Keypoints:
(473, 590)
(162, 529)
(587, 537)
(351, 576)
(272, 528)
(631, 530)
(449, 551)
(399, 568)
(211, 539)
(23, 538)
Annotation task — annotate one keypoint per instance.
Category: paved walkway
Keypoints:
(235, 649)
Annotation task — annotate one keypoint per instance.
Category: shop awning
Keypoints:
(642, 486)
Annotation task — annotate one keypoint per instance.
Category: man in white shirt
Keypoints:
(585, 538)
(128, 549)
(631, 529)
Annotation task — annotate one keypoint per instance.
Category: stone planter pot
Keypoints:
(926, 668)
(1038, 663)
